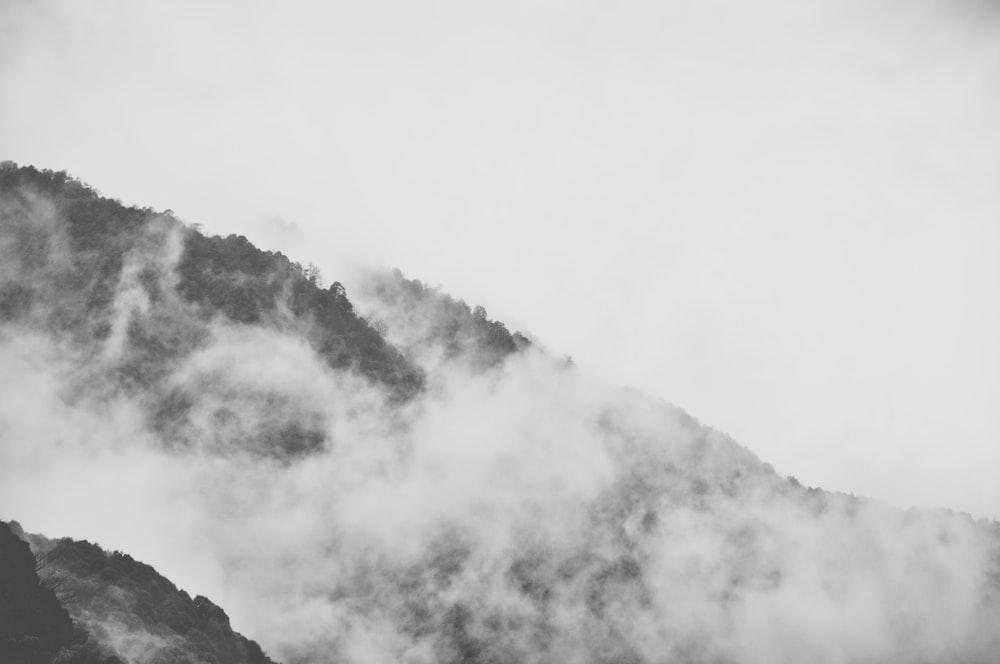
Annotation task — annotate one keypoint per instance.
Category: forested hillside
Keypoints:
(416, 484)
(35, 628)
(68, 252)
(71, 602)
(430, 324)
(140, 291)
(139, 613)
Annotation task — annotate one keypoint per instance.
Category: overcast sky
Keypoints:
(782, 216)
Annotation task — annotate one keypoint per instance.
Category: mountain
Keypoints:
(71, 602)
(140, 614)
(400, 478)
(142, 285)
(63, 235)
(428, 324)
(34, 627)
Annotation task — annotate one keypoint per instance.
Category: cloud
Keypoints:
(783, 218)
(521, 513)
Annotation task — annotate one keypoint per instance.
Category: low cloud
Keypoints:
(519, 513)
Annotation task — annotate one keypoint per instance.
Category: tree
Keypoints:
(313, 274)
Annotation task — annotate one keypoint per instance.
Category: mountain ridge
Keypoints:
(420, 484)
(114, 609)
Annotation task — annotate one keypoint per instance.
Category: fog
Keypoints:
(764, 212)
(524, 513)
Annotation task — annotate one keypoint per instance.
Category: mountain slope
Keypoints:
(107, 608)
(33, 626)
(141, 291)
(456, 495)
(68, 249)
(140, 614)
(427, 323)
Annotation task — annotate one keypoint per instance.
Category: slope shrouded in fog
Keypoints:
(401, 478)
(762, 210)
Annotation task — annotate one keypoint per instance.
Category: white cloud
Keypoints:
(779, 216)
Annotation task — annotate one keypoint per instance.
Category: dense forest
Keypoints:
(70, 259)
(425, 321)
(75, 263)
(71, 602)
(398, 478)
(34, 627)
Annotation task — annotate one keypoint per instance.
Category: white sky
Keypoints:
(783, 216)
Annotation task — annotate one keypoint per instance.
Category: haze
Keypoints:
(780, 216)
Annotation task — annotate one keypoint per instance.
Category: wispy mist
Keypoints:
(765, 211)
(523, 512)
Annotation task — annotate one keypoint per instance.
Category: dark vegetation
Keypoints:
(69, 251)
(84, 242)
(247, 285)
(103, 588)
(63, 608)
(70, 257)
(428, 319)
(143, 287)
(34, 626)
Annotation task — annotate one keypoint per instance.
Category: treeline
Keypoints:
(35, 628)
(105, 588)
(57, 608)
(66, 247)
(428, 319)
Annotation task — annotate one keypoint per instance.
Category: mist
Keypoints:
(762, 211)
(519, 511)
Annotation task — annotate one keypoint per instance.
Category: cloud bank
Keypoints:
(782, 210)
(520, 513)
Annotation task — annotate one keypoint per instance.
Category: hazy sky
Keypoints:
(782, 216)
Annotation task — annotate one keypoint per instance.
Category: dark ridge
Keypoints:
(34, 626)
(67, 256)
(82, 244)
(435, 320)
(246, 284)
(112, 592)
(64, 253)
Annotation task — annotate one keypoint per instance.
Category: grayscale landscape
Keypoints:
(499, 333)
